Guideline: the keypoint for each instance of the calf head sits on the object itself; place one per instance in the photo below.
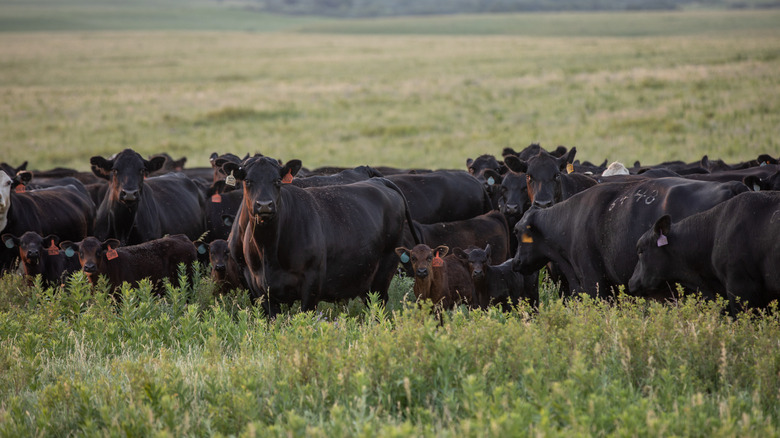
(125, 172)
(31, 246)
(543, 175)
(93, 254)
(217, 161)
(477, 259)
(530, 256)
(423, 258)
(263, 179)
(653, 251)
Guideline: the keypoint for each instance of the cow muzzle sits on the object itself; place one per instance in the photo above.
(421, 272)
(129, 197)
(32, 257)
(478, 275)
(264, 211)
(90, 268)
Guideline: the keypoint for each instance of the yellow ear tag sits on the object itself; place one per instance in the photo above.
(525, 238)
(230, 180)
(569, 168)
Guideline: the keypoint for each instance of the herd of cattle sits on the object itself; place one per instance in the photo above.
(477, 236)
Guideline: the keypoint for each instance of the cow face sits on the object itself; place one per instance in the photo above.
(543, 175)
(530, 255)
(263, 179)
(514, 200)
(92, 253)
(422, 258)
(757, 184)
(31, 246)
(477, 259)
(653, 251)
(5, 198)
(217, 161)
(478, 166)
(125, 172)
(219, 254)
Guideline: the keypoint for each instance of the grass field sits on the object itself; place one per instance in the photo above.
(83, 78)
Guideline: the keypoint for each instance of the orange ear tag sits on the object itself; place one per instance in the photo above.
(20, 188)
(288, 178)
(52, 250)
(525, 238)
(216, 198)
(569, 168)
(111, 253)
(438, 262)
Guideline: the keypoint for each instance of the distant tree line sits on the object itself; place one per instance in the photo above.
(380, 8)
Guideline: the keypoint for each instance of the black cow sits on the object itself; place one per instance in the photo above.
(443, 195)
(39, 259)
(546, 181)
(221, 209)
(730, 250)
(320, 243)
(136, 209)
(156, 260)
(757, 183)
(485, 229)
(62, 211)
(225, 271)
(591, 236)
(498, 284)
(346, 176)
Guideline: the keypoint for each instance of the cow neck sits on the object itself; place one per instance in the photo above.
(691, 238)
(425, 288)
(557, 253)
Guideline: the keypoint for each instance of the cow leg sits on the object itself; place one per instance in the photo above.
(310, 291)
(384, 276)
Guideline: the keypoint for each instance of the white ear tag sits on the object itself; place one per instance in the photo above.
(230, 180)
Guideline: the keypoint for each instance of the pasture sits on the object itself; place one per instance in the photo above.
(405, 92)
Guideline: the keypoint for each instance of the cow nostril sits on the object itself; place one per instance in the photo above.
(542, 204)
(219, 268)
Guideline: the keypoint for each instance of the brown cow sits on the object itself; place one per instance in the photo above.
(443, 280)
(225, 271)
(157, 259)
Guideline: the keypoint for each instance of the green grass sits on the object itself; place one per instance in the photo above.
(75, 363)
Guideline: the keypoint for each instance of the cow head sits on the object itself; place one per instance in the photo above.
(514, 199)
(125, 172)
(543, 175)
(92, 253)
(422, 258)
(756, 183)
(217, 161)
(31, 246)
(219, 255)
(653, 252)
(263, 178)
(530, 256)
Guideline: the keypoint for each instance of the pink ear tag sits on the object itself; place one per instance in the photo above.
(111, 254)
(288, 178)
(662, 240)
(438, 262)
(52, 250)
(20, 188)
(216, 198)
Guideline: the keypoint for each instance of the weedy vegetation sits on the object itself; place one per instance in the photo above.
(79, 80)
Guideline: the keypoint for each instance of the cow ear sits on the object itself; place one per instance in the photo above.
(487, 251)
(459, 253)
(663, 225)
(201, 246)
(508, 151)
(492, 177)
(567, 158)
(469, 162)
(101, 167)
(51, 239)
(215, 187)
(515, 164)
(403, 253)
(755, 183)
(213, 157)
(10, 240)
(442, 250)
(113, 243)
(235, 169)
(154, 164)
(69, 247)
(767, 159)
(24, 176)
(292, 167)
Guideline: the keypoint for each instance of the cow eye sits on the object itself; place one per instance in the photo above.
(528, 178)
(278, 182)
(247, 183)
(557, 176)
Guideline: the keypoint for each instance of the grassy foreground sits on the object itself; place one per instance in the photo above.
(75, 363)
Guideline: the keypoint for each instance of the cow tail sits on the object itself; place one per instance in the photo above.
(391, 185)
